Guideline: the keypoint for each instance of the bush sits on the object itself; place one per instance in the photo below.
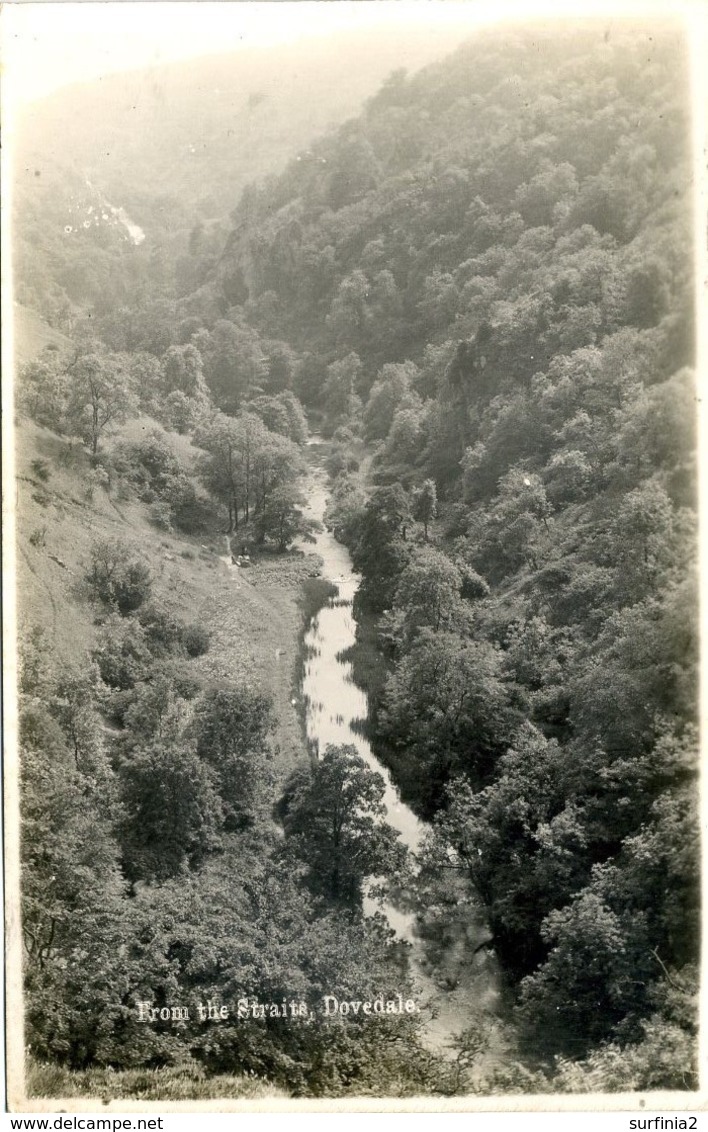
(195, 515)
(123, 656)
(196, 640)
(40, 469)
(161, 515)
(38, 537)
(133, 587)
(117, 579)
(163, 632)
(158, 477)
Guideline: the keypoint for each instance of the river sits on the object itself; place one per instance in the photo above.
(455, 970)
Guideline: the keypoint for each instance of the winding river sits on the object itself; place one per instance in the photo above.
(453, 966)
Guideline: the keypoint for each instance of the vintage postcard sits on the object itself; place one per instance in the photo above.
(350, 512)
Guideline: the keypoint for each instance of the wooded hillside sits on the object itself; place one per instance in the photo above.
(490, 272)
(481, 292)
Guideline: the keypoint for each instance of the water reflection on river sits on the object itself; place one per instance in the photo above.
(456, 973)
(334, 703)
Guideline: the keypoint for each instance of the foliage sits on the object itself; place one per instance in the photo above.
(116, 578)
(448, 705)
(183, 1082)
(380, 552)
(42, 389)
(280, 518)
(425, 505)
(157, 475)
(333, 819)
(341, 402)
(100, 396)
(173, 811)
(428, 595)
(245, 464)
(196, 640)
(231, 726)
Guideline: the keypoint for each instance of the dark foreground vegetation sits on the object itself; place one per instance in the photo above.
(481, 290)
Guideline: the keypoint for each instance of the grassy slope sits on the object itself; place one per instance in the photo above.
(254, 615)
(32, 334)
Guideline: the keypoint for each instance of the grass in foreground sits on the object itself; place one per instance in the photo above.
(178, 1083)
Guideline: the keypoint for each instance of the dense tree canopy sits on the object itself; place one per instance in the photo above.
(334, 820)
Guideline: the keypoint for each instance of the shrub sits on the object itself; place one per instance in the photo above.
(194, 515)
(122, 655)
(132, 588)
(158, 477)
(97, 477)
(40, 469)
(161, 515)
(117, 579)
(163, 632)
(196, 640)
(38, 537)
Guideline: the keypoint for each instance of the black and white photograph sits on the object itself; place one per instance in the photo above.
(351, 613)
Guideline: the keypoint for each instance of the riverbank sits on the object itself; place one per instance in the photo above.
(440, 919)
(254, 616)
(265, 608)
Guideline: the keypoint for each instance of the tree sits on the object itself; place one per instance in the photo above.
(538, 200)
(182, 371)
(596, 971)
(74, 708)
(425, 505)
(246, 463)
(405, 442)
(228, 470)
(42, 388)
(173, 812)
(524, 849)
(354, 167)
(235, 364)
(221, 469)
(516, 529)
(345, 508)
(342, 403)
(71, 874)
(391, 391)
(231, 728)
(100, 396)
(273, 414)
(333, 819)
(428, 594)
(381, 550)
(297, 420)
(281, 360)
(281, 517)
(276, 462)
(448, 706)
